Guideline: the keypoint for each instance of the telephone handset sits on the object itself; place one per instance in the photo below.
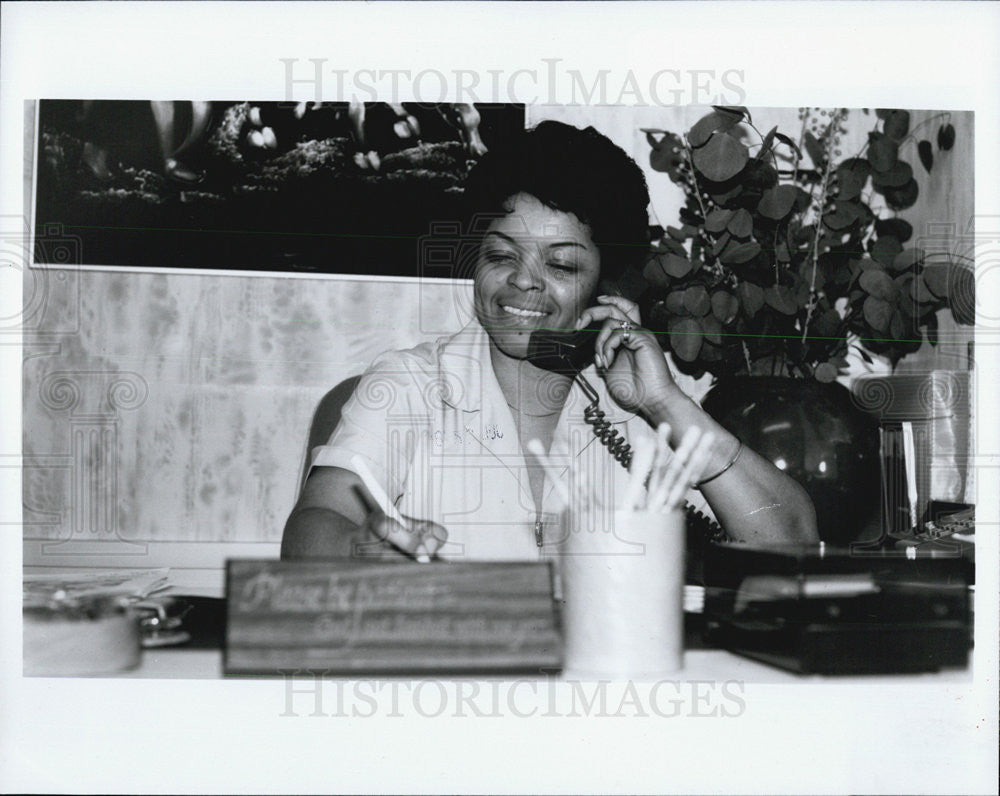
(562, 351)
(570, 352)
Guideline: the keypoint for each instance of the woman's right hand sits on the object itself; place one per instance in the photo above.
(414, 538)
(334, 518)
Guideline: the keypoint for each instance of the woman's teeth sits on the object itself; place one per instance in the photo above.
(522, 313)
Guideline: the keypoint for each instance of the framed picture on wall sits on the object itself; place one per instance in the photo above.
(316, 188)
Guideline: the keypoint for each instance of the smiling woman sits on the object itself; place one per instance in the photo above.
(537, 269)
(443, 427)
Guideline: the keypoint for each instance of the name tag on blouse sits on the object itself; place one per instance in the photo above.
(458, 438)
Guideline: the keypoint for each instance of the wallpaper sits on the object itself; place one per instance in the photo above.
(176, 407)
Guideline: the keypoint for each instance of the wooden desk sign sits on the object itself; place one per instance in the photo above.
(352, 618)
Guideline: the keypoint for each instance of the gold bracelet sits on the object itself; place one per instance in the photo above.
(731, 462)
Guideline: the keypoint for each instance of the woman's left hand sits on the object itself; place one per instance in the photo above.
(627, 356)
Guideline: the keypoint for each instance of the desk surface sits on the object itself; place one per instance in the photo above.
(717, 665)
(195, 663)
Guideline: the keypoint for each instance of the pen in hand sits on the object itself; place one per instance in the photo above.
(382, 500)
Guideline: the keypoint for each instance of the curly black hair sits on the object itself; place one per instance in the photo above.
(571, 170)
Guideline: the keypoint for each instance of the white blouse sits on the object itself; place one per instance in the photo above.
(432, 424)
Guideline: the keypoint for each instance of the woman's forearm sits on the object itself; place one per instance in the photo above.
(753, 499)
(318, 532)
(331, 521)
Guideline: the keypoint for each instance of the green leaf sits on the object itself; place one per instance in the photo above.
(676, 234)
(759, 175)
(781, 298)
(804, 235)
(802, 200)
(702, 130)
(723, 197)
(741, 224)
(936, 279)
(878, 284)
(843, 215)
(921, 294)
(826, 324)
(738, 110)
(738, 253)
(851, 177)
(907, 259)
(696, 252)
(654, 273)
(661, 160)
(719, 246)
(776, 203)
(751, 297)
(669, 245)
(878, 313)
(708, 124)
(685, 338)
(926, 153)
(675, 303)
(765, 145)
(885, 249)
(843, 273)
(897, 124)
(815, 149)
(676, 266)
(899, 229)
(896, 176)
(721, 158)
(789, 143)
(902, 198)
(717, 220)
(712, 330)
(724, 306)
(882, 151)
(808, 277)
(825, 372)
(946, 137)
(666, 155)
(696, 300)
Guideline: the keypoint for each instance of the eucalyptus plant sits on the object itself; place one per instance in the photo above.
(784, 254)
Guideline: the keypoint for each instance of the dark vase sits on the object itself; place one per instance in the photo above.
(814, 433)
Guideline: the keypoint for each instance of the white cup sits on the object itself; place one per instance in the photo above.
(623, 591)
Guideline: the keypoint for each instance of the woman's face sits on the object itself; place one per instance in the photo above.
(537, 269)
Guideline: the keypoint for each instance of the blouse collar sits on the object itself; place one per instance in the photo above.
(466, 376)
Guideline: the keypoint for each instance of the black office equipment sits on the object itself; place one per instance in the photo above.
(815, 610)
